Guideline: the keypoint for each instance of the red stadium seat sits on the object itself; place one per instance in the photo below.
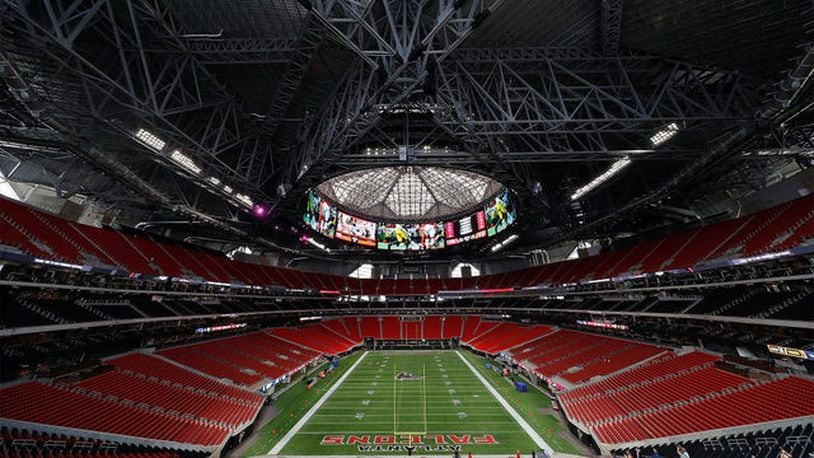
(787, 398)
(431, 328)
(60, 406)
(315, 337)
(505, 336)
(229, 413)
(151, 366)
(46, 236)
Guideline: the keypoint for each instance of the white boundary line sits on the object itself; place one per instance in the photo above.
(513, 413)
(296, 428)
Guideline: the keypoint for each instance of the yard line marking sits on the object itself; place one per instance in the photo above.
(513, 413)
(458, 422)
(387, 410)
(367, 413)
(439, 431)
(424, 392)
(441, 408)
(284, 441)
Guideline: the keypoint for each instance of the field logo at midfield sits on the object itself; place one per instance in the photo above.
(426, 443)
(406, 377)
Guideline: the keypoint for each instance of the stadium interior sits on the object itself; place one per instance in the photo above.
(498, 228)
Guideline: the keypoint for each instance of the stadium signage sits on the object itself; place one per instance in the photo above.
(403, 443)
(791, 352)
(759, 258)
(603, 325)
(311, 318)
(224, 327)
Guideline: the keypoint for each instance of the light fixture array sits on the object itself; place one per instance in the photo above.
(186, 162)
(156, 143)
(504, 243)
(669, 131)
(614, 169)
(150, 139)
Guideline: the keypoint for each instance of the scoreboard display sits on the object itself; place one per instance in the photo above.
(495, 216)
(468, 228)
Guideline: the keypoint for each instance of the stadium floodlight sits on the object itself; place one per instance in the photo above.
(504, 242)
(615, 168)
(315, 243)
(665, 134)
(227, 189)
(150, 139)
(185, 161)
(244, 199)
(303, 170)
(214, 181)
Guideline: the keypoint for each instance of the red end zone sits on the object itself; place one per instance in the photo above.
(430, 439)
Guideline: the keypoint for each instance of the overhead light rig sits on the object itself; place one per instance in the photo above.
(189, 166)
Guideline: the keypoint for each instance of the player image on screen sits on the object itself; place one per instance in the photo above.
(311, 215)
(431, 236)
(356, 230)
(320, 215)
(327, 218)
(411, 237)
(393, 237)
(499, 213)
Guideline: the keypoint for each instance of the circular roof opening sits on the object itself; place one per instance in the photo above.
(407, 193)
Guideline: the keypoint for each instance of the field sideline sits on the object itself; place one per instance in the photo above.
(427, 400)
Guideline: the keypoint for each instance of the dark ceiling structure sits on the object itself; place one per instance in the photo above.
(257, 101)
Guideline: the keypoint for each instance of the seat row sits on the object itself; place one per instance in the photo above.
(25, 452)
(664, 366)
(55, 405)
(158, 369)
(185, 402)
(797, 441)
(784, 399)
(506, 335)
(249, 358)
(16, 442)
(46, 236)
(651, 396)
(577, 357)
(430, 327)
(316, 337)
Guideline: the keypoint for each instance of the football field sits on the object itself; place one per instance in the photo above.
(428, 401)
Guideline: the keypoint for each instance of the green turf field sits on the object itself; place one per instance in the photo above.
(292, 405)
(437, 405)
(528, 405)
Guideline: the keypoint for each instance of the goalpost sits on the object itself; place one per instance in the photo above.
(423, 400)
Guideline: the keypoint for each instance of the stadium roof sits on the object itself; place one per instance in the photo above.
(408, 193)
(258, 101)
